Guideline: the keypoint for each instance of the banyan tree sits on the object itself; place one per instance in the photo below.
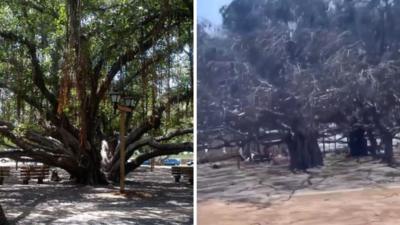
(59, 60)
(304, 70)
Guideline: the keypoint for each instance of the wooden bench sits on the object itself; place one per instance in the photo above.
(185, 171)
(4, 172)
(33, 172)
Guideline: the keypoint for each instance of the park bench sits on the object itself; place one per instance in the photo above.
(33, 172)
(4, 172)
(182, 171)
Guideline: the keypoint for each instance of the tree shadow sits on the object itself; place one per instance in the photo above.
(151, 199)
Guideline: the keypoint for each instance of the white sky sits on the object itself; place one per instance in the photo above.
(209, 10)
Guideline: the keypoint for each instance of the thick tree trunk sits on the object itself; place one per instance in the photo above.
(90, 176)
(304, 151)
(246, 153)
(89, 172)
(358, 143)
(3, 219)
(387, 140)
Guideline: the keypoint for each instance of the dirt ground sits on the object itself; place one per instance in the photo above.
(154, 199)
(356, 207)
(345, 191)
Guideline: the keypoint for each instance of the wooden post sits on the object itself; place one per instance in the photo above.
(122, 132)
(323, 144)
(122, 152)
(238, 162)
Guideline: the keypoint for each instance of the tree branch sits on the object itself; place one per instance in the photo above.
(146, 43)
(159, 150)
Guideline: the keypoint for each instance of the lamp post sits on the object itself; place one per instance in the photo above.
(124, 104)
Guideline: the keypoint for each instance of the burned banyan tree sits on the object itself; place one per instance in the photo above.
(294, 72)
(60, 59)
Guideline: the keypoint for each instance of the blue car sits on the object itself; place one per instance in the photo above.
(172, 162)
(147, 162)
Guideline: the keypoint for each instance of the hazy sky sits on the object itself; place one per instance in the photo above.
(209, 9)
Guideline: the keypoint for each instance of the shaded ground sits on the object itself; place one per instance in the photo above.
(154, 199)
(273, 195)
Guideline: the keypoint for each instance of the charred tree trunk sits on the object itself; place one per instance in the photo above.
(304, 151)
(387, 140)
(358, 143)
(246, 150)
(3, 219)
(241, 151)
(386, 137)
